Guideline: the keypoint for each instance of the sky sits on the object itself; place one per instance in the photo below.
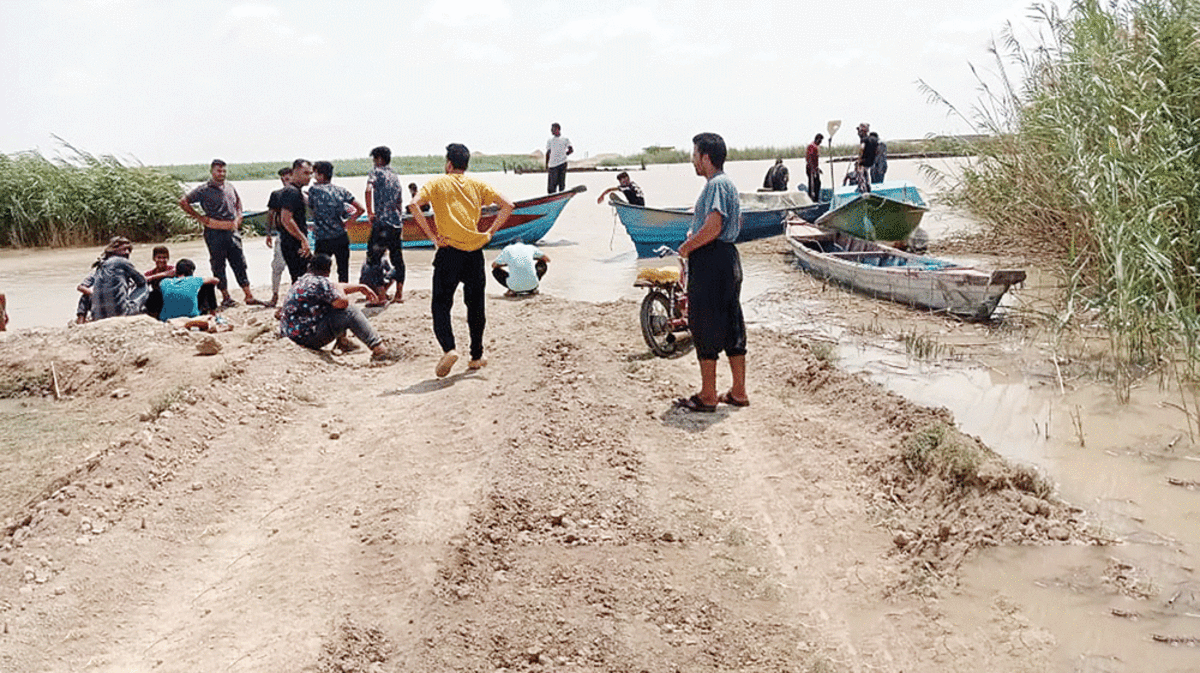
(170, 82)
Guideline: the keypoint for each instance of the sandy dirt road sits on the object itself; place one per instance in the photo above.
(274, 509)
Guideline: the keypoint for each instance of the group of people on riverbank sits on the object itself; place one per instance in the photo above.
(317, 311)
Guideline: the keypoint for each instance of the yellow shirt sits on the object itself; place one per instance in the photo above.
(457, 203)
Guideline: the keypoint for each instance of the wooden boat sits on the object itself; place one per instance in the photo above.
(763, 215)
(881, 271)
(889, 212)
(531, 219)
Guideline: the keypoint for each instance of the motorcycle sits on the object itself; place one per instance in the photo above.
(664, 313)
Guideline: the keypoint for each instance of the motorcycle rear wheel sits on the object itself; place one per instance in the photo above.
(656, 316)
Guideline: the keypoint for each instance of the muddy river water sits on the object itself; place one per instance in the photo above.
(1114, 460)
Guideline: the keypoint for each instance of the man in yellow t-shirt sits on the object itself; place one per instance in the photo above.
(457, 202)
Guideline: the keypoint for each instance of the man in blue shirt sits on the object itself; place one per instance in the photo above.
(714, 279)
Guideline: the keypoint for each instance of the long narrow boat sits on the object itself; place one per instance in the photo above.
(530, 221)
(889, 212)
(763, 215)
(881, 271)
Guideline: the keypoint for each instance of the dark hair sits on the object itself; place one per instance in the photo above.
(159, 250)
(286, 170)
(412, 185)
(383, 153)
(622, 174)
(300, 162)
(556, 125)
(320, 263)
(873, 134)
(185, 267)
(819, 137)
(323, 169)
(458, 155)
(216, 162)
(712, 146)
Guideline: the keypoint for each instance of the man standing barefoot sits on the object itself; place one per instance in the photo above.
(222, 221)
(457, 202)
(714, 279)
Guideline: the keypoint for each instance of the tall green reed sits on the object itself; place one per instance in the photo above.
(84, 200)
(1097, 160)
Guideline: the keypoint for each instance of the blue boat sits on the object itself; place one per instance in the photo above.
(889, 212)
(763, 214)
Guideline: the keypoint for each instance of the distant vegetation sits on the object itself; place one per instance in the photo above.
(1097, 159)
(354, 167)
(85, 200)
(658, 154)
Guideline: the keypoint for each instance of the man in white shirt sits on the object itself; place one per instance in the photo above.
(520, 268)
(557, 149)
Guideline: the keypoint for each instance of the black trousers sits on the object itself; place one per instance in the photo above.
(391, 238)
(225, 246)
(339, 249)
(814, 187)
(714, 301)
(556, 178)
(452, 266)
(296, 264)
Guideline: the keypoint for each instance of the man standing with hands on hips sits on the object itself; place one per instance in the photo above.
(457, 202)
(222, 221)
(714, 279)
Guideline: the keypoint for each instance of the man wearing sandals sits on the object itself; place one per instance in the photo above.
(222, 222)
(714, 279)
(457, 202)
(317, 311)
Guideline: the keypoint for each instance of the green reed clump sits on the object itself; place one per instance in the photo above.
(1097, 160)
(84, 201)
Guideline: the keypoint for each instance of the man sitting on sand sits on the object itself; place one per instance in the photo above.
(186, 297)
(119, 288)
(317, 312)
(633, 193)
(520, 268)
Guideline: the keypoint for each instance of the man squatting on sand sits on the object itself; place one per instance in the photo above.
(222, 221)
(714, 279)
(457, 202)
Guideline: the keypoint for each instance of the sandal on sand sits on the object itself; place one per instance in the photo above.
(694, 403)
(477, 364)
(255, 301)
(732, 401)
(345, 345)
(445, 364)
(229, 303)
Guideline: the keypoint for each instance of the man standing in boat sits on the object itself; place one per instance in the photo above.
(867, 149)
(879, 168)
(222, 222)
(714, 279)
(812, 167)
(557, 149)
(457, 202)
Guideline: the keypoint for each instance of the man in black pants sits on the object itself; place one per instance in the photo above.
(293, 215)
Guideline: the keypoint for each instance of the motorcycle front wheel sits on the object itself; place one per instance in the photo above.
(656, 327)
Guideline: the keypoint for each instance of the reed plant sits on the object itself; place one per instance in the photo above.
(84, 200)
(1096, 160)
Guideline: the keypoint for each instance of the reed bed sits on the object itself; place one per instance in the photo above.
(1096, 160)
(404, 165)
(85, 200)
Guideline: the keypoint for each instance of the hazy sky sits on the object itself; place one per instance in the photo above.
(163, 81)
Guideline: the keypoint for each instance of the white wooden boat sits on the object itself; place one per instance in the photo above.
(881, 271)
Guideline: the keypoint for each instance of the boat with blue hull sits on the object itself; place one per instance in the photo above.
(891, 211)
(764, 214)
(530, 221)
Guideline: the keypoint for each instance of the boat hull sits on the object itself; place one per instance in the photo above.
(530, 221)
(883, 272)
(891, 211)
(652, 229)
